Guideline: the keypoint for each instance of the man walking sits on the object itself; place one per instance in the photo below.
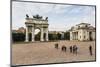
(70, 49)
(56, 45)
(90, 49)
(75, 48)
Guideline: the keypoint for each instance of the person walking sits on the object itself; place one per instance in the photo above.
(75, 48)
(64, 48)
(90, 50)
(56, 45)
(71, 50)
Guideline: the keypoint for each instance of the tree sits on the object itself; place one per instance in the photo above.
(18, 37)
(67, 36)
(58, 36)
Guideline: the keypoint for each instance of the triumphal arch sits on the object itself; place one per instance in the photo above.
(34, 23)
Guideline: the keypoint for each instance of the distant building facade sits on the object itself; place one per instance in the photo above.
(82, 32)
(19, 30)
(61, 33)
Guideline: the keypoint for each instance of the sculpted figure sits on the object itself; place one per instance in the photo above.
(46, 18)
(27, 16)
(37, 17)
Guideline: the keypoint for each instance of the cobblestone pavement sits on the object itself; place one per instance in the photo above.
(44, 52)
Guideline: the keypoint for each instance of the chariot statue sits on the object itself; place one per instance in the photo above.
(37, 17)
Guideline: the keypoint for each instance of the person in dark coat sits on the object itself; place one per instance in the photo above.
(75, 48)
(64, 48)
(71, 50)
(56, 45)
(90, 49)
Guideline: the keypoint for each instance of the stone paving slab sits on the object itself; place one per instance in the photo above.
(44, 52)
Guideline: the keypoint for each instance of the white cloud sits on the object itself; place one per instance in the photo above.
(61, 17)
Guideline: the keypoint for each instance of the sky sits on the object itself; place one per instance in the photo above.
(60, 17)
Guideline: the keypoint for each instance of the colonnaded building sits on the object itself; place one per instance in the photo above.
(82, 32)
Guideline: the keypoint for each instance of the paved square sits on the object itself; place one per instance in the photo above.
(44, 52)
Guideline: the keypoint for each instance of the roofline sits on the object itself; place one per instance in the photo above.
(83, 23)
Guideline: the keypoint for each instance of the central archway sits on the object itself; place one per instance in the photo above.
(37, 34)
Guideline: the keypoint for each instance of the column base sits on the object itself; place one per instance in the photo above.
(42, 39)
(32, 40)
(46, 39)
(26, 41)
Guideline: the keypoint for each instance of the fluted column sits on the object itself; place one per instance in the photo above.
(71, 36)
(26, 38)
(42, 35)
(33, 35)
(47, 34)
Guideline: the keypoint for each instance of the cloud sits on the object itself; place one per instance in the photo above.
(61, 17)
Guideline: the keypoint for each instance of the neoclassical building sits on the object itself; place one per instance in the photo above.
(82, 32)
(36, 22)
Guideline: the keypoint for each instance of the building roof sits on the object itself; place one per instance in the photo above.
(83, 24)
(77, 27)
(19, 30)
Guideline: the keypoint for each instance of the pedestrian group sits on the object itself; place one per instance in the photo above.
(73, 49)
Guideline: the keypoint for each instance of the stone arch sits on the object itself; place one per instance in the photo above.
(37, 35)
(32, 24)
